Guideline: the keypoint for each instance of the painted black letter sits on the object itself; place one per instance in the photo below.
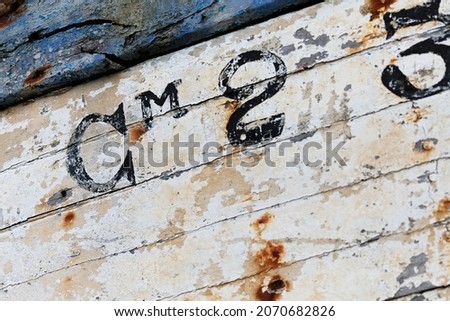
(75, 164)
(171, 92)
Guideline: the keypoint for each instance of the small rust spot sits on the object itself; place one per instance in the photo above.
(271, 255)
(443, 209)
(273, 290)
(69, 218)
(37, 75)
(137, 132)
(261, 223)
(393, 61)
(10, 10)
(378, 7)
(371, 32)
(266, 218)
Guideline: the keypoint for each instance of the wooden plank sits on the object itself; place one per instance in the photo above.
(349, 94)
(205, 198)
(297, 38)
(315, 279)
(46, 45)
(301, 240)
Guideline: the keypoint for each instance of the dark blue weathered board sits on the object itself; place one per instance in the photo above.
(49, 44)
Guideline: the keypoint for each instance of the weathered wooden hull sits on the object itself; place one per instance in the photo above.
(48, 45)
(259, 219)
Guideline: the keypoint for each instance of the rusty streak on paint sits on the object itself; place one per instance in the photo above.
(443, 209)
(137, 132)
(271, 255)
(378, 7)
(37, 75)
(69, 219)
(10, 10)
(393, 61)
(262, 222)
(446, 237)
(372, 30)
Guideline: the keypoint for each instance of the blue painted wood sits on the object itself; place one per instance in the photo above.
(50, 44)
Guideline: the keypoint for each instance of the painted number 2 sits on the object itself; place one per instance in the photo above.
(240, 133)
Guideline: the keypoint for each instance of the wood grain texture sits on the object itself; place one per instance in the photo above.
(311, 99)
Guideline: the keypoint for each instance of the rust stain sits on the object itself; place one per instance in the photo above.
(37, 75)
(271, 255)
(374, 28)
(393, 61)
(443, 209)
(10, 10)
(266, 218)
(378, 7)
(261, 223)
(415, 115)
(137, 132)
(273, 290)
(69, 219)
